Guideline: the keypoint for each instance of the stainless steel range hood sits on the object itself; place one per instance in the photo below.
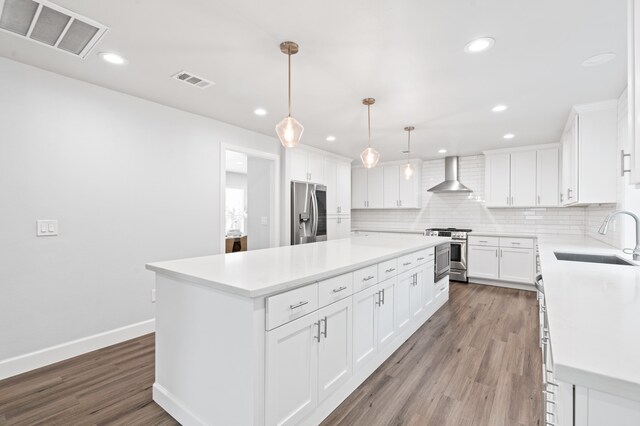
(451, 182)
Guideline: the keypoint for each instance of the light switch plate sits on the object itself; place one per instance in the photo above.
(46, 228)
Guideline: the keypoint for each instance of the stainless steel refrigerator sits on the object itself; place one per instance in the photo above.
(308, 213)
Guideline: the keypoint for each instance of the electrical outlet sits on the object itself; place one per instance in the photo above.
(153, 295)
(46, 228)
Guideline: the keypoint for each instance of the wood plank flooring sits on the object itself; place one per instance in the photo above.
(475, 362)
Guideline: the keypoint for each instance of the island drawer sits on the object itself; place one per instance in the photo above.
(285, 307)
(406, 262)
(365, 277)
(424, 256)
(484, 241)
(387, 269)
(517, 242)
(335, 289)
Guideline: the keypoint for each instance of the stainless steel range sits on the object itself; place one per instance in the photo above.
(458, 237)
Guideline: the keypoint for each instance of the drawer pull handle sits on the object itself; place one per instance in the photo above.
(513, 242)
(406, 264)
(370, 277)
(390, 270)
(483, 241)
(299, 304)
(324, 333)
(421, 258)
(339, 289)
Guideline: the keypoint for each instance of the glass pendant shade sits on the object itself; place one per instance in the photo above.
(370, 157)
(289, 132)
(408, 170)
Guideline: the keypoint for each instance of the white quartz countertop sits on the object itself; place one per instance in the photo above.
(390, 231)
(594, 317)
(502, 234)
(263, 272)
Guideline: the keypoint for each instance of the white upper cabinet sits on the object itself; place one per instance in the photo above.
(547, 177)
(633, 89)
(497, 175)
(522, 177)
(331, 181)
(590, 161)
(315, 167)
(305, 165)
(386, 187)
(337, 178)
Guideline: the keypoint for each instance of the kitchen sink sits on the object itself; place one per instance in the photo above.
(593, 258)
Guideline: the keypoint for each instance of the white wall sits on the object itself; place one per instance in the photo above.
(130, 182)
(464, 210)
(260, 202)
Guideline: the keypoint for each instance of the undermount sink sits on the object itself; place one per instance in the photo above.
(593, 258)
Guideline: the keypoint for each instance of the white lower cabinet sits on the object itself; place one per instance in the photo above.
(415, 293)
(403, 302)
(428, 290)
(338, 227)
(516, 265)
(386, 309)
(483, 262)
(365, 326)
(292, 371)
(334, 349)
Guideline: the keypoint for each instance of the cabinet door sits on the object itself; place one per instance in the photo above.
(497, 175)
(359, 188)
(344, 187)
(334, 349)
(428, 284)
(516, 265)
(333, 228)
(403, 299)
(375, 187)
(365, 326)
(344, 227)
(409, 189)
(415, 293)
(292, 371)
(386, 312)
(483, 262)
(298, 164)
(523, 179)
(315, 166)
(390, 193)
(547, 177)
(331, 181)
(570, 164)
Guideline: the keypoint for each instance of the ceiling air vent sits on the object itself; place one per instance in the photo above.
(51, 25)
(193, 80)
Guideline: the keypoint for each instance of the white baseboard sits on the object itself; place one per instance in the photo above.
(27, 362)
(175, 407)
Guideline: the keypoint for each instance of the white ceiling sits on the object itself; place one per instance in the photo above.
(407, 54)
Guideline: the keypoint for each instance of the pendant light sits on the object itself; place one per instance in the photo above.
(289, 130)
(408, 170)
(369, 156)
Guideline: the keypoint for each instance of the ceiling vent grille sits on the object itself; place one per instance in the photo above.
(193, 80)
(51, 25)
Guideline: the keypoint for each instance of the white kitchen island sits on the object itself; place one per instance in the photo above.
(282, 336)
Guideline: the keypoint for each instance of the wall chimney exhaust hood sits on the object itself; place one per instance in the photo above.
(451, 182)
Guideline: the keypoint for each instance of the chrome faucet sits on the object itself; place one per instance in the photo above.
(605, 226)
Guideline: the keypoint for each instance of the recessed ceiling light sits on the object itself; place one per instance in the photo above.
(442, 151)
(509, 136)
(603, 58)
(112, 58)
(499, 108)
(479, 45)
(331, 138)
(260, 111)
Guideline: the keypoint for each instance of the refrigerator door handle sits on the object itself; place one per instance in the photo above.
(314, 215)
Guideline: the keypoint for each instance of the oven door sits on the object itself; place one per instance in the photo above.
(458, 255)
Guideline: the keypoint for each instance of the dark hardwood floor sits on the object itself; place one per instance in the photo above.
(475, 362)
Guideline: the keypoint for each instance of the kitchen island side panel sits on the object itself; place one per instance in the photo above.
(209, 352)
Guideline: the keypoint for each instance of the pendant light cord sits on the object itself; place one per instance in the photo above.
(289, 55)
(369, 122)
(409, 147)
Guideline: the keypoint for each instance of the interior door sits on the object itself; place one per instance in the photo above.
(523, 179)
(386, 312)
(292, 371)
(359, 192)
(344, 187)
(334, 351)
(497, 176)
(547, 177)
(365, 326)
(403, 300)
(375, 187)
(391, 186)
